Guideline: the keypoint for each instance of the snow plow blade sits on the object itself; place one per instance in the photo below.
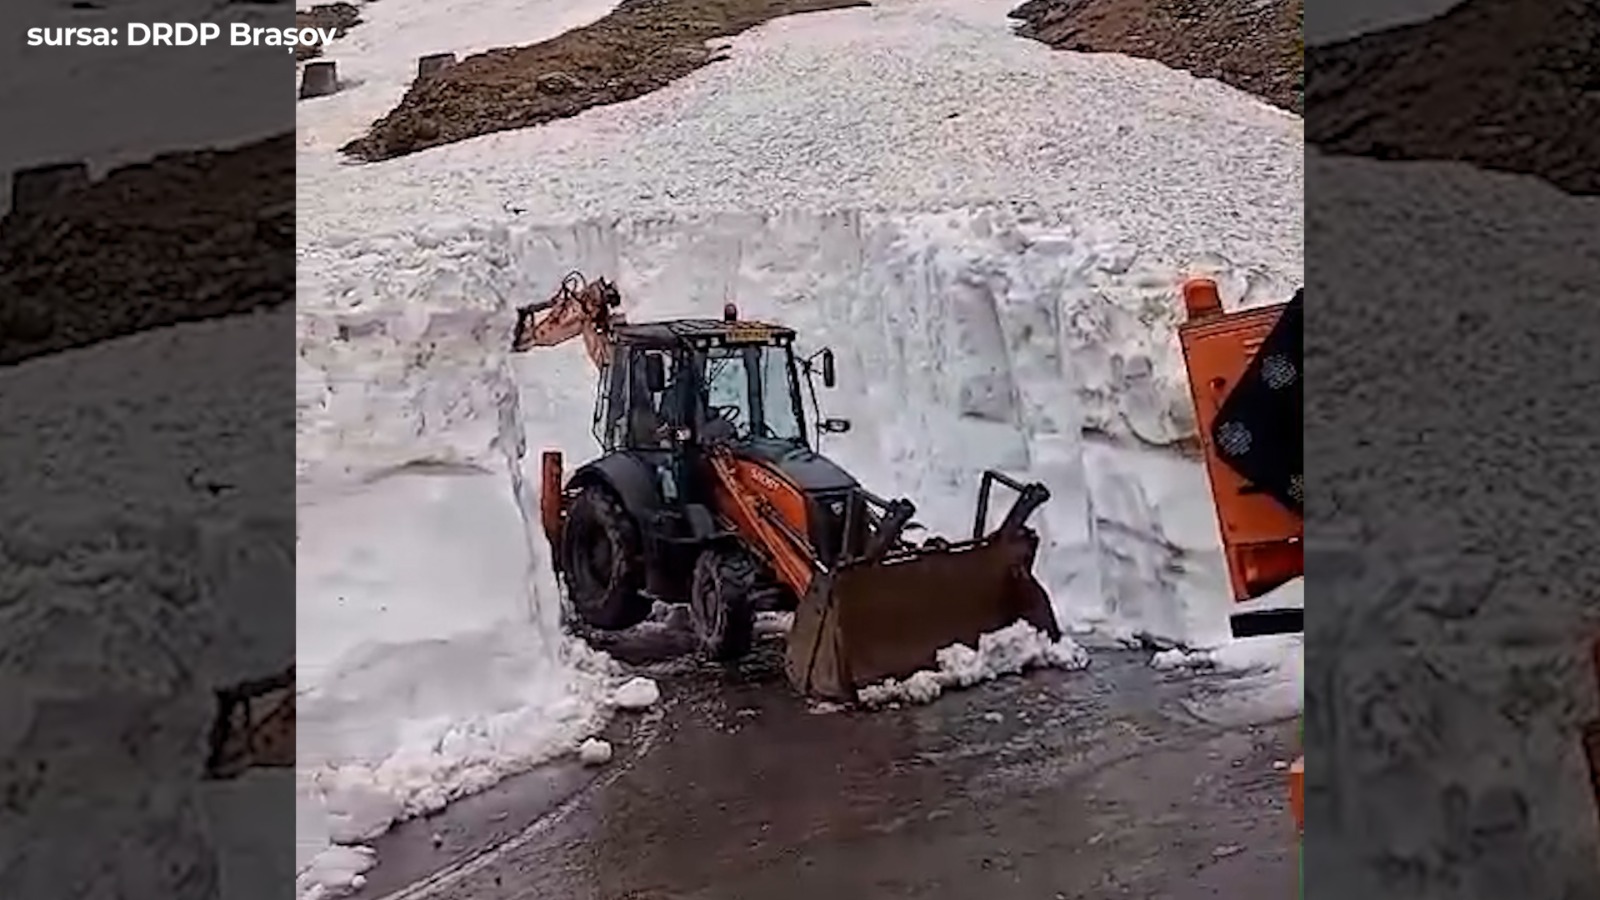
(887, 616)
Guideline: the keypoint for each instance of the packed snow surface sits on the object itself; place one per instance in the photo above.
(334, 871)
(1009, 651)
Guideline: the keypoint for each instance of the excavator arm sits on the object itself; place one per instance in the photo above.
(577, 308)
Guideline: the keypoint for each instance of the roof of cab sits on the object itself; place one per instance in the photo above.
(680, 331)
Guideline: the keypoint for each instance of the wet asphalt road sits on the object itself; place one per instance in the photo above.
(1096, 784)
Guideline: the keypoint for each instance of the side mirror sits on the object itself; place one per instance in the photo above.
(655, 373)
(835, 426)
(829, 376)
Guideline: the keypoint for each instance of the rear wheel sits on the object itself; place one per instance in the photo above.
(720, 605)
(602, 562)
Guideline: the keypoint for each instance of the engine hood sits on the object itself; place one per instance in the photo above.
(807, 469)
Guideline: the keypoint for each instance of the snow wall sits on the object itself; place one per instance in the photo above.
(131, 593)
(966, 340)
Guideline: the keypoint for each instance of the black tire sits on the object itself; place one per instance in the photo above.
(719, 603)
(602, 562)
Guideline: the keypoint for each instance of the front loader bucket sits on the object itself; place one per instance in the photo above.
(869, 621)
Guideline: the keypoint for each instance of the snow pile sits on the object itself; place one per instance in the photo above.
(1009, 651)
(132, 592)
(1265, 675)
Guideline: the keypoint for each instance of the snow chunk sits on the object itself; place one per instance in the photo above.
(1179, 658)
(334, 871)
(1009, 651)
(594, 752)
(773, 623)
(637, 693)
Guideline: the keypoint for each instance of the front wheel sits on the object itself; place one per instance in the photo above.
(719, 602)
(602, 562)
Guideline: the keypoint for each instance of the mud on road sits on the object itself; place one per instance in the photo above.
(641, 46)
(1091, 785)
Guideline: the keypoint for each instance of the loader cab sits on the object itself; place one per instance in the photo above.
(637, 407)
(749, 393)
(682, 383)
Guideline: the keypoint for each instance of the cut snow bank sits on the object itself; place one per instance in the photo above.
(133, 592)
(1009, 651)
(1029, 342)
(432, 663)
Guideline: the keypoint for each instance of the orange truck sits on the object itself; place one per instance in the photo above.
(1245, 379)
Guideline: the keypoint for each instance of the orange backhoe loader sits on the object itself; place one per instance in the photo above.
(710, 491)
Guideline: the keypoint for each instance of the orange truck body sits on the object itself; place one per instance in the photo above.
(1260, 538)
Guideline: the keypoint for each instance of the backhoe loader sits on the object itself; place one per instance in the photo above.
(710, 491)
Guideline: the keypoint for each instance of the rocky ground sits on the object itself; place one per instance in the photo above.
(187, 236)
(639, 47)
(1072, 785)
(1253, 45)
(1501, 85)
(341, 17)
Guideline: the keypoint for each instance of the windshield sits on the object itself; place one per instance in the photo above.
(753, 389)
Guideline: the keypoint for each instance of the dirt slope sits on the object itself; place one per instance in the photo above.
(641, 46)
(188, 236)
(1504, 85)
(1253, 45)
